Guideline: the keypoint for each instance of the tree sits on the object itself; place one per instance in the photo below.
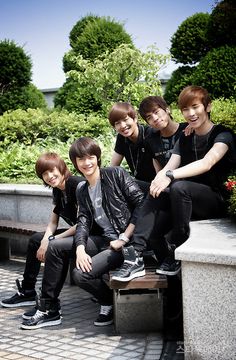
(221, 27)
(24, 97)
(126, 74)
(15, 76)
(92, 36)
(15, 66)
(210, 41)
(189, 43)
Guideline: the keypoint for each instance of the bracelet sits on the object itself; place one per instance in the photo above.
(124, 238)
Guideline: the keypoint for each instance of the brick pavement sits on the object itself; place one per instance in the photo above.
(76, 338)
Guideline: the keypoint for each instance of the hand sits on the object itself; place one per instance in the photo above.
(40, 255)
(83, 260)
(117, 244)
(159, 185)
(188, 130)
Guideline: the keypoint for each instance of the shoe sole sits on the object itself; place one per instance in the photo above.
(104, 323)
(131, 277)
(25, 303)
(38, 326)
(170, 273)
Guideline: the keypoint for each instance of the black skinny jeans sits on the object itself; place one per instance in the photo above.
(172, 210)
(32, 265)
(59, 254)
(104, 259)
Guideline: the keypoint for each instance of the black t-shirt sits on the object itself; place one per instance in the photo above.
(199, 145)
(136, 154)
(65, 201)
(160, 147)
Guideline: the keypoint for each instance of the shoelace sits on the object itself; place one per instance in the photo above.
(127, 263)
(105, 309)
(38, 315)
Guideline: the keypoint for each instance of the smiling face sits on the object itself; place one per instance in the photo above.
(54, 178)
(127, 127)
(88, 166)
(196, 114)
(158, 118)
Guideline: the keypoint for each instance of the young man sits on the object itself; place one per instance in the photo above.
(191, 185)
(155, 111)
(51, 168)
(111, 198)
(131, 143)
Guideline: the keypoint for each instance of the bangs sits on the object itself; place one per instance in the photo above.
(151, 104)
(191, 94)
(120, 111)
(49, 161)
(83, 147)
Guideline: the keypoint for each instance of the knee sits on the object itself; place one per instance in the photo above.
(178, 188)
(78, 276)
(35, 240)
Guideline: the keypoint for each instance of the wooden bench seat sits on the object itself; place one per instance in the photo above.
(10, 229)
(20, 228)
(149, 281)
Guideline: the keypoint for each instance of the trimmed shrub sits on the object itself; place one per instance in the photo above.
(216, 72)
(189, 43)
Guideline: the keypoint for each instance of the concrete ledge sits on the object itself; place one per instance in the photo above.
(26, 189)
(25, 203)
(211, 241)
(209, 291)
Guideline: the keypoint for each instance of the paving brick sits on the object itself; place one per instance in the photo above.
(76, 338)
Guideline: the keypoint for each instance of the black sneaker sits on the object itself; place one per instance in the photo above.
(170, 266)
(54, 307)
(29, 314)
(132, 267)
(42, 319)
(21, 298)
(105, 317)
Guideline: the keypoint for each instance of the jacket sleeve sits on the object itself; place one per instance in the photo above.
(132, 193)
(84, 219)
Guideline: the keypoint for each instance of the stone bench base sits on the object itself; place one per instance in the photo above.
(138, 304)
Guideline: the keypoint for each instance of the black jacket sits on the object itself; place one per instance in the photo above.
(121, 200)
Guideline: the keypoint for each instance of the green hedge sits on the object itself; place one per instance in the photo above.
(24, 135)
(28, 126)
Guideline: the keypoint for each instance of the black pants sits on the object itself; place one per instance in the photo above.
(59, 254)
(32, 265)
(104, 259)
(173, 210)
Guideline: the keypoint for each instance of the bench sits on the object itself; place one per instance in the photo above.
(138, 303)
(15, 230)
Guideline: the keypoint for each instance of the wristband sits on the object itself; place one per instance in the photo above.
(51, 237)
(124, 238)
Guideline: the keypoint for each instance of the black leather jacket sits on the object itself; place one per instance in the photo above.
(121, 200)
